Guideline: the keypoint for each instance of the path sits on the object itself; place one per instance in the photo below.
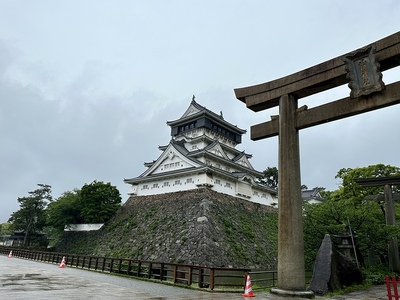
(24, 279)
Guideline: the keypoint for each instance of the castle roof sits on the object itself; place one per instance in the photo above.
(195, 111)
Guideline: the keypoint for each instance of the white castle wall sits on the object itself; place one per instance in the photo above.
(217, 184)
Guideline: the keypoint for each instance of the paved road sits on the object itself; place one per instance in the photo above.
(24, 279)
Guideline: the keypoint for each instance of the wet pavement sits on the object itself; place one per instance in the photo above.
(24, 279)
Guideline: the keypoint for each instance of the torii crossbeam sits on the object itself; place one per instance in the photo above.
(361, 69)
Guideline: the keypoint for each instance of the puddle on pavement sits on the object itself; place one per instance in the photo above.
(22, 279)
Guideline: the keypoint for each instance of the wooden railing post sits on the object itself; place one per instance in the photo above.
(111, 265)
(104, 264)
(96, 263)
(119, 266)
(128, 271)
(161, 272)
(139, 266)
(201, 277)
(212, 278)
(149, 271)
(175, 273)
(189, 282)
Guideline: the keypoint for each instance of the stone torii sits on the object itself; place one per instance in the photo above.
(361, 69)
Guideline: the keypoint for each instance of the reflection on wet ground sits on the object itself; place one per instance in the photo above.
(34, 282)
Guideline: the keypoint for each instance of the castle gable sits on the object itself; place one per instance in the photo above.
(216, 149)
(172, 159)
(193, 108)
(243, 160)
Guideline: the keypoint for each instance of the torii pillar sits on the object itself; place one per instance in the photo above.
(291, 272)
(361, 69)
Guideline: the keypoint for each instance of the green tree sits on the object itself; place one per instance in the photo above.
(65, 210)
(31, 217)
(348, 204)
(270, 177)
(5, 228)
(99, 201)
(351, 189)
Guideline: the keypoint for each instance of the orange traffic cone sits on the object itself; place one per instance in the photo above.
(248, 291)
(62, 265)
(10, 255)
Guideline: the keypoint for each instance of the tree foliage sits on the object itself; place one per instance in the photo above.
(93, 203)
(5, 228)
(66, 210)
(270, 177)
(99, 201)
(31, 217)
(347, 205)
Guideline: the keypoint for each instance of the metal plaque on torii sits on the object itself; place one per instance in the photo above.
(363, 72)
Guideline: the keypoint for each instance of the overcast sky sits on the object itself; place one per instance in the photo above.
(86, 87)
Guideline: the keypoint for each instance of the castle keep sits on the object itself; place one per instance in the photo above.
(202, 153)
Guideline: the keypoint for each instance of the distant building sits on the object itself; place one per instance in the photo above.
(312, 196)
(83, 227)
(202, 153)
(16, 239)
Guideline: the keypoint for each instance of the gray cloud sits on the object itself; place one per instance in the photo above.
(85, 91)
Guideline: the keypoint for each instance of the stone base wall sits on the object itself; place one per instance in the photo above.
(199, 227)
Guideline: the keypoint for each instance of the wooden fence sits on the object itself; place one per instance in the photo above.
(214, 279)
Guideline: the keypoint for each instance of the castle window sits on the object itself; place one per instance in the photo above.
(217, 181)
(166, 183)
(145, 187)
(176, 164)
(177, 182)
(189, 180)
(227, 185)
(155, 185)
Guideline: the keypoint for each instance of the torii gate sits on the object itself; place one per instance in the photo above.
(362, 70)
